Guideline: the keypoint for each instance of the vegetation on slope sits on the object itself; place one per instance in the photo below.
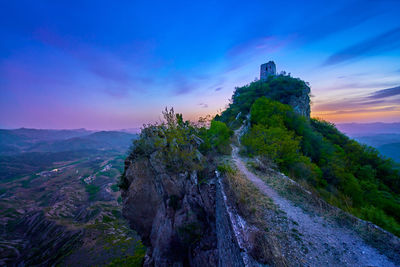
(181, 145)
(347, 174)
(281, 88)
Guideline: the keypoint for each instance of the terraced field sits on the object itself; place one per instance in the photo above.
(66, 214)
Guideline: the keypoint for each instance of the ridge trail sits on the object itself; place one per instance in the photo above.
(329, 244)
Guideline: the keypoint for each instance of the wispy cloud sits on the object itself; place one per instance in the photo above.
(119, 75)
(385, 93)
(363, 85)
(361, 74)
(369, 110)
(203, 105)
(371, 103)
(382, 43)
(181, 84)
(374, 101)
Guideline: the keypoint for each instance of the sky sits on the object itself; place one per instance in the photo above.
(118, 64)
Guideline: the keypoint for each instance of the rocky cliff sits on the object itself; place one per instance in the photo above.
(168, 195)
(184, 220)
(174, 200)
(301, 102)
(173, 213)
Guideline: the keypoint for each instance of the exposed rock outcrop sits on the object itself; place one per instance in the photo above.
(174, 213)
(175, 201)
(301, 103)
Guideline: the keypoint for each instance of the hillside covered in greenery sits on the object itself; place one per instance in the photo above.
(282, 88)
(345, 173)
(187, 187)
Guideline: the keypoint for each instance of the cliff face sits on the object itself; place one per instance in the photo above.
(172, 199)
(184, 221)
(172, 212)
(301, 103)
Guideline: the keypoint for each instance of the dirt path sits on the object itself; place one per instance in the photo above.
(329, 244)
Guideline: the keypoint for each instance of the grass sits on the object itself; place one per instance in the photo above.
(255, 207)
(249, 200)
(304, 196)
(225, 168)
(135, 260)
(299, 192)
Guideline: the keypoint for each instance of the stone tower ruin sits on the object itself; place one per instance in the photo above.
(267, 69)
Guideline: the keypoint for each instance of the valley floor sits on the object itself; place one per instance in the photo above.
(324, 242)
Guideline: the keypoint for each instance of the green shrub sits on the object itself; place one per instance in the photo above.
(378, 217)
(219, 137)
(351, 188)
(304, 169)
(225, 168)
(275, 143)
(175, 141)
(135, 260)
(269, 113)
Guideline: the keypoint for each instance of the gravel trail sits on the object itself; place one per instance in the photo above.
(330, 245)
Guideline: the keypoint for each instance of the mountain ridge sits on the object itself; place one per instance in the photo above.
(174, 166)
(360, 129)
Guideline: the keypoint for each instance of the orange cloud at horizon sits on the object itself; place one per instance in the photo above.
(359, 116)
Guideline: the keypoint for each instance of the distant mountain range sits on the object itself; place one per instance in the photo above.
(99, 141)
(364, 129)
(383, 136)
(24, 151)
(37, 140)
(19, 140)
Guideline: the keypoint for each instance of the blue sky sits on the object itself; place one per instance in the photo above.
(117, 64)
